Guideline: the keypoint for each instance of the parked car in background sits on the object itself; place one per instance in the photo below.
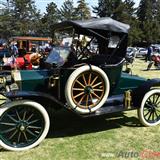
(141, 52)
(130, 54)
(156, 48)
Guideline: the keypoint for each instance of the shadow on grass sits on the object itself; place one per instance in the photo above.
(66, 124)
(151, 69)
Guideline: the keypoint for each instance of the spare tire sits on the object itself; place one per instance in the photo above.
(87, 89)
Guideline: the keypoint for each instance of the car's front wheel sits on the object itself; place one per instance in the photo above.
(23, 125)
(149, 112)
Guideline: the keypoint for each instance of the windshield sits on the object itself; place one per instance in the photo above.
(58, 55)
(61, 47)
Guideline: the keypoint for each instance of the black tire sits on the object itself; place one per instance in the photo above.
(149, 112)
(23, 125)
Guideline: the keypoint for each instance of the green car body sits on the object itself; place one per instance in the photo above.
(82, 74)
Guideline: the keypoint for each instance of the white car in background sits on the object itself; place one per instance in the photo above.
(141, 52)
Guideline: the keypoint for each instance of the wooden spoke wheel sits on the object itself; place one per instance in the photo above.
(23, 125)
(149, 113)
(87, 89)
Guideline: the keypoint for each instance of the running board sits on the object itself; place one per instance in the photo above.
(105, 110)
(112, 105)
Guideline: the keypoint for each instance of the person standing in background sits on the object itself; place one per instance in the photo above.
(149, 53)
(14, 49)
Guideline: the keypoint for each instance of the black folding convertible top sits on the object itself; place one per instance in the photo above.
(107, 24)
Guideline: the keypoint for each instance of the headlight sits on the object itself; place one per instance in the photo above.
(2, 80)
(12, 87)
(6, 79)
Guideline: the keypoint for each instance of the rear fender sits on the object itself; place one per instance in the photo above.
(138, 93)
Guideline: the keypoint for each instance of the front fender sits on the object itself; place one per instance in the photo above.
(40, 97)
(139, 92)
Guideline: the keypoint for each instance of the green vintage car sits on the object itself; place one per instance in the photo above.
(83, 74)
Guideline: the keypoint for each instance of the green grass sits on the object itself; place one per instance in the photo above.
(73, 138)
(140, 68)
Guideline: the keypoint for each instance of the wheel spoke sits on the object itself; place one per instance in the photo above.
(91, 98)
(34, 127)
(98, 90)
(19, 136)
(146, 113)
(36, 120)
(87, 100)
(31, 133)
(78, 89)
(24, 115)
(8, 130)
(156, 114)
(150, 116)
(80, 83)
(81, 99)
(30, 117)
(84, 79)
(96, 95)
(89, 80)
(78, 95)
(154, 98)
(13, 119)
(158, 103)
(153, 116)
(149, 100)
(7, 124)
(14, 133)
(96, 84)
(157, 99)
(18, 116)
(94, 80)
(157, 110)
(25, 136)
(149, 105)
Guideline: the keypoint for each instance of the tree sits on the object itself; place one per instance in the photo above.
(67, 10)
(6, 29)
(148, 15)
(109, 8)
(24, 14)
(82, 10)
(144, 11)
(127, 11)
(50, 18)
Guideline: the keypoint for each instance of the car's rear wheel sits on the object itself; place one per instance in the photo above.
(149, 112)
(87, 89)
(23, 125)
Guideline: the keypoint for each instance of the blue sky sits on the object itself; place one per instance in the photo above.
(41, 4)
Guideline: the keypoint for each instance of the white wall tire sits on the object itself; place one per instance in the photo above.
(149, 112)
(91, 94)
(23, 141)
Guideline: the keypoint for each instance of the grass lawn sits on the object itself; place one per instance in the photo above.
(116, 136)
